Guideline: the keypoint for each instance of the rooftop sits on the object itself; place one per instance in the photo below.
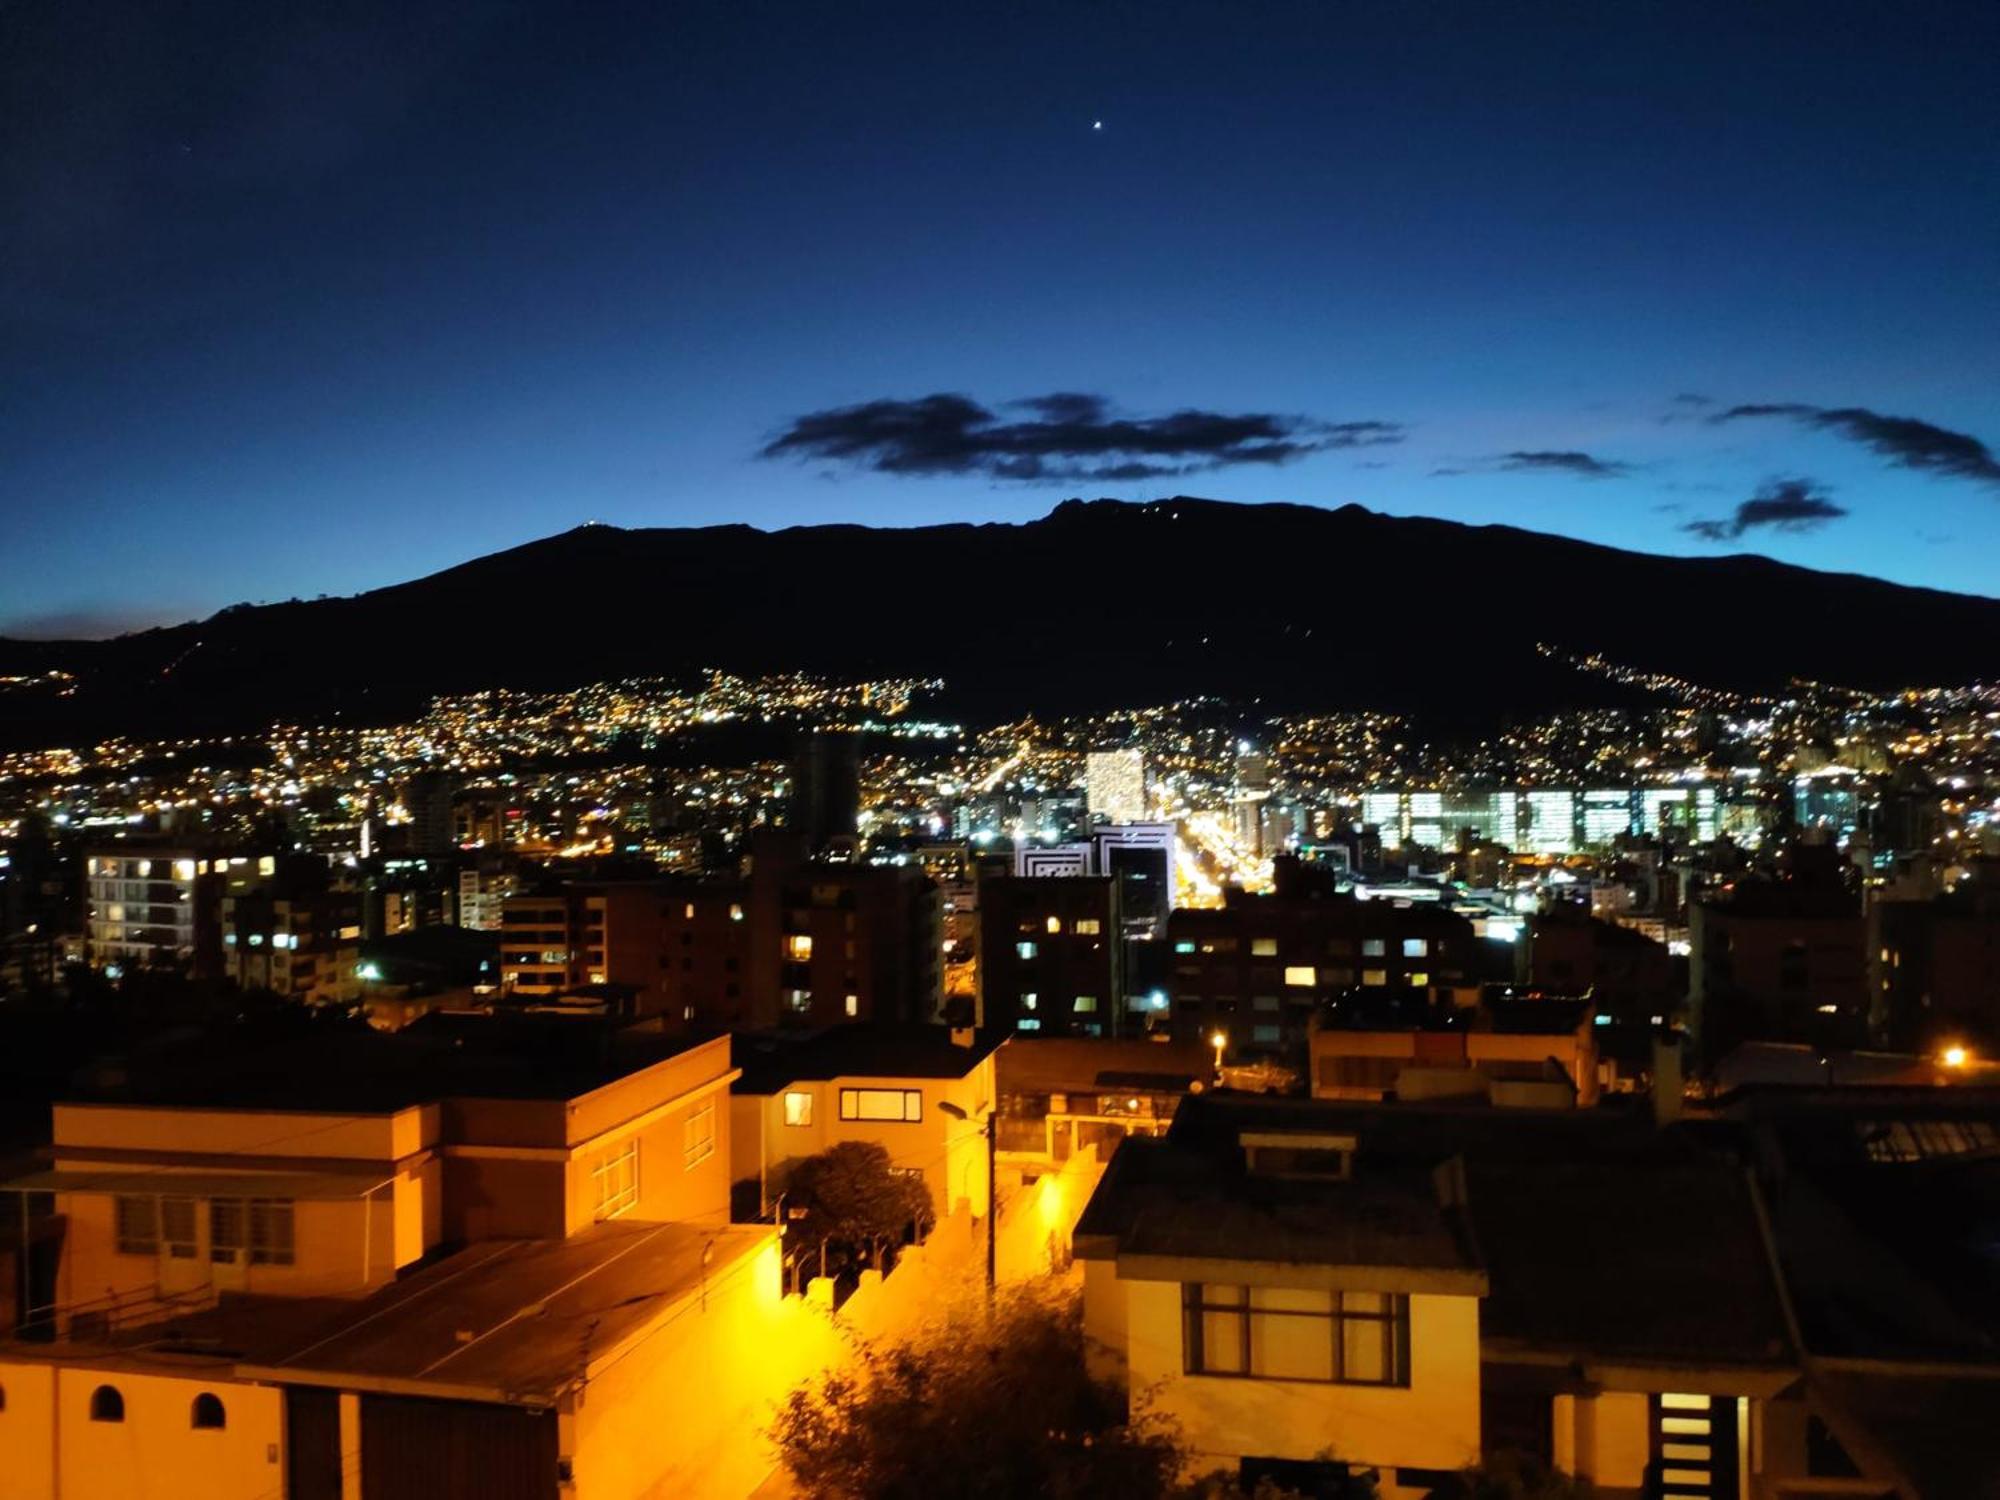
(771, 1060)
(504, 1320)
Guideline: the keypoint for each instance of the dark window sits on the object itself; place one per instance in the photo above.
(1297, 1333)
(106, 1405)
(208, 1412)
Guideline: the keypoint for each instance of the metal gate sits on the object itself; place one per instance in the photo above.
(313, 1460)
(415, 1449)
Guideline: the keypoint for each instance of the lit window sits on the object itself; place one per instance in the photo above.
(1024, 950)
(616, 1180)
(1085, 1004)
(687, 912)
(1028, 1023)
(1373, 948)
(267, 865)
(1419, 979)
(1374, 976)
(1263, 947)
(798, 947)
(208, 1413)
(798, 1107)
(1183, 947)
(1415, 948)
(1296, 1333)
(1088, 926)
(138, 1225)
(735, 913)
(1053, 925)
(798, 1000)
(853, 1005)
(698, 1137)
(184, 869)
(905, 1106)
(144, 869)
(1030, 999)
(1301, 976)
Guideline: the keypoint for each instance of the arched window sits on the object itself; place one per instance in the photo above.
(208, 1411)
(106, 1405)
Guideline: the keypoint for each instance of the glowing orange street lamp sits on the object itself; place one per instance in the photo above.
(1955, 1056)
(1218, 1042)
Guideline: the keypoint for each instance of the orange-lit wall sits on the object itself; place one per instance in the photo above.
(950, 1153)
(1433, 1423)
(46, 1431)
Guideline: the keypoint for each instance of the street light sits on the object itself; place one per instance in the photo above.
(992, 1114)
(1218, 1042)
(1956, 1056)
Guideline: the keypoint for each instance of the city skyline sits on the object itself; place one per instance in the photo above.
(299, 307)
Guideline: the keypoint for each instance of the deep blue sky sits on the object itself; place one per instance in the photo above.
(292, 305)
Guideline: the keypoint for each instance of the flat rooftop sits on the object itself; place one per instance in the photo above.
(771, 1060)
(516, 1321)
(362, 1071)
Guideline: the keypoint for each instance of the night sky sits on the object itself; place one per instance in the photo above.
(295, 304)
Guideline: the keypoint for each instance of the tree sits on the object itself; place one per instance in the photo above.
(850, 1198)
(1512, 1475)
(997, 1410)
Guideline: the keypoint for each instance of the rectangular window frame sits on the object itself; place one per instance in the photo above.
(873, 1107)
(1199, 1299)
(615, 1180)
(698, 1137)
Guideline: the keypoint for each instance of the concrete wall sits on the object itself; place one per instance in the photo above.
(1433, 1423)
(50, 1449)
(1603, 1438)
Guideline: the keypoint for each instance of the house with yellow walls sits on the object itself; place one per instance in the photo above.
(922, 1093)
(1316, 1287)
(490, 1260)
(1294, 1305)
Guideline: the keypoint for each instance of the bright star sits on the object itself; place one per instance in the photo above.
(1096, 124)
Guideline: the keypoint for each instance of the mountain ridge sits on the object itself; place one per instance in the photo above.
(1098, 604)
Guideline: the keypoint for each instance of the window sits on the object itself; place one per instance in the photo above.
(208, 1412)
(798, 1107)
(906, 1105)
(1024, 950)
(616, 1180)
(853, 1005)
(1415, 948)
(1263, 947)
(799, 947)
(1301, 976)
(1028, 1023)
(1266, 1033)
(262, 1227)
(698, 1137)
(1183, 947)
(1053, 925)
(1374, 977)
(1373, 948)
(1292, 1333)
(1085, 1004)
(270, 1232)
(1030, 999)
(106, 1405)
(138, 1225)
(1088, 926)
(735, 913)
(177, 1227)
(1418, 979)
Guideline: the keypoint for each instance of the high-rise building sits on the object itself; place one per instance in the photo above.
(160, 904)
(1050, 955)
(824, 803)
(1115, 785)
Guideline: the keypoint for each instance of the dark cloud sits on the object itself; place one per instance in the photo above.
(1781, 505)
(1564, 461)
(1540, 461)
(1065, 435)
(1904, 441)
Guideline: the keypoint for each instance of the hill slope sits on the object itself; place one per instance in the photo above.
(1098, 604)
